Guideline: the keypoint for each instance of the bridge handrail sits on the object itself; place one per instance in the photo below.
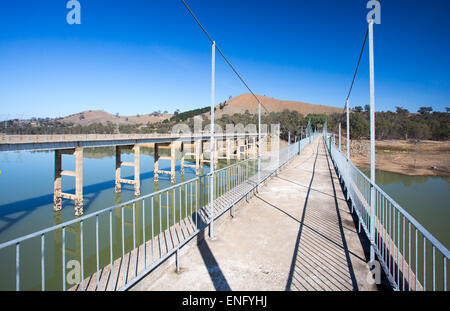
(340, 162)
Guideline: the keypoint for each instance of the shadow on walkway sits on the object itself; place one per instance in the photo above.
(215, 273)
(321, 259)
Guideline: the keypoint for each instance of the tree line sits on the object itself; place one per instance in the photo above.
(401, 124)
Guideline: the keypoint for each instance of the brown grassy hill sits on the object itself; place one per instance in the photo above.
(237, 104)
(241, 103)
(100, 116)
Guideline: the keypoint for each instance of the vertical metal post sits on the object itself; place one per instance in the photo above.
(259, 144)
(348, 155)
(372, 142)
(339, 136)
(177, 259)
(289, 142)
(213, 65)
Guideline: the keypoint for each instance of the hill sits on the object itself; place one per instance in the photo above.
(100, 116)
(241, 103)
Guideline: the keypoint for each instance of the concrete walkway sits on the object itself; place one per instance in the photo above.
(296, 234)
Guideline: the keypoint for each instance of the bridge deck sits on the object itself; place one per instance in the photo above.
(296, 234)
(69, 141)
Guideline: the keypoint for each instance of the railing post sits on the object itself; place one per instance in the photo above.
(259, 145)
(289, 143)
(211, 157)
(339, 136)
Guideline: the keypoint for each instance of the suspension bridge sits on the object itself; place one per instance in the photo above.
(301, 217)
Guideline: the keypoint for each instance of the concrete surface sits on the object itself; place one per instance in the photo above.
(296, 234)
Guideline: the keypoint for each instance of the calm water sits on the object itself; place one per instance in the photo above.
(426, 198)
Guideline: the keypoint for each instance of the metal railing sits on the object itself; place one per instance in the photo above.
(117, 246)
(412, 258)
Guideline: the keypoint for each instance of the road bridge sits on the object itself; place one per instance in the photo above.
(227, 146)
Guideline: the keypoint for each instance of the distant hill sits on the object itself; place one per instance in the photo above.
(100, 116)
(241, 103)
(237, 104)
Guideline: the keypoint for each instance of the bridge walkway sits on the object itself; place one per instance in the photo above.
(296, 234)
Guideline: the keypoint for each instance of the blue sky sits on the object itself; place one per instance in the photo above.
(137, 56)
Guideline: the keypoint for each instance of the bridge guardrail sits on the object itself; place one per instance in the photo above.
(165, 210)
(412, 258)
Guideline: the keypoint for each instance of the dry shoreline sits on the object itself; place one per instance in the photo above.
(423, 158)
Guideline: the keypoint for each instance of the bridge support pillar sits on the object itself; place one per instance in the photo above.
(216, 154)
(158, 157)
(58, 195)
(155, 163)
(246, 148)
(118, 185)
(57, 182)
(172, 163)
(197, 150)
(202, 156)
(228, 150)
(182, 158)
(136, 164)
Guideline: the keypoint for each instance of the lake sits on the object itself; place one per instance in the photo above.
(426, 198)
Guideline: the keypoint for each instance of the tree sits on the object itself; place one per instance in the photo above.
(425, 110)
(402, 111)
(358, 109)
(367, 108)
(447, 109)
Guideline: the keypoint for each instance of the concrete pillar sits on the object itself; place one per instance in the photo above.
(246, 148)
(155, 163)
(182, 158)
(118, 186)
(228, 150)
(136, 164)
(57, 182)
(216, 155)
(172, 163)
(58, 195)
(197, 151)
(78, 181)
(137, 177)
(202, 156)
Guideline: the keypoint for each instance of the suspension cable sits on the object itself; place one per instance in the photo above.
(227, 61)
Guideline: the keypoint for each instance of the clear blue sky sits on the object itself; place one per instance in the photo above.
(138, 56)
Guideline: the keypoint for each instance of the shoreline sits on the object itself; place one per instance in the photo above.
(422, 158)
